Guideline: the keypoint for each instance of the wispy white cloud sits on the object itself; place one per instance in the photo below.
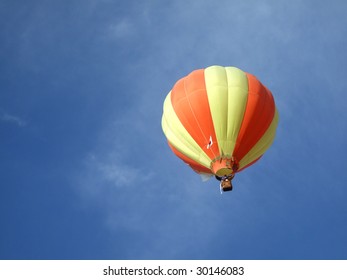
(121, 29)
(114, 172)
(12, 119)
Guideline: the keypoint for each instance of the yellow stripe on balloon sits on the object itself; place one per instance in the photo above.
(227, 90)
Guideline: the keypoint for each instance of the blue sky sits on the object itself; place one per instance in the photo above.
(85, 169)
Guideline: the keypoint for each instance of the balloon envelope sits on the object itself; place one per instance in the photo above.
(219, 120)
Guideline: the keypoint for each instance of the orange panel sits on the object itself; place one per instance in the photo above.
(260, 110)
(190, 102)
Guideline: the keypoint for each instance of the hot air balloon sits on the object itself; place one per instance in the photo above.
(219, 121)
